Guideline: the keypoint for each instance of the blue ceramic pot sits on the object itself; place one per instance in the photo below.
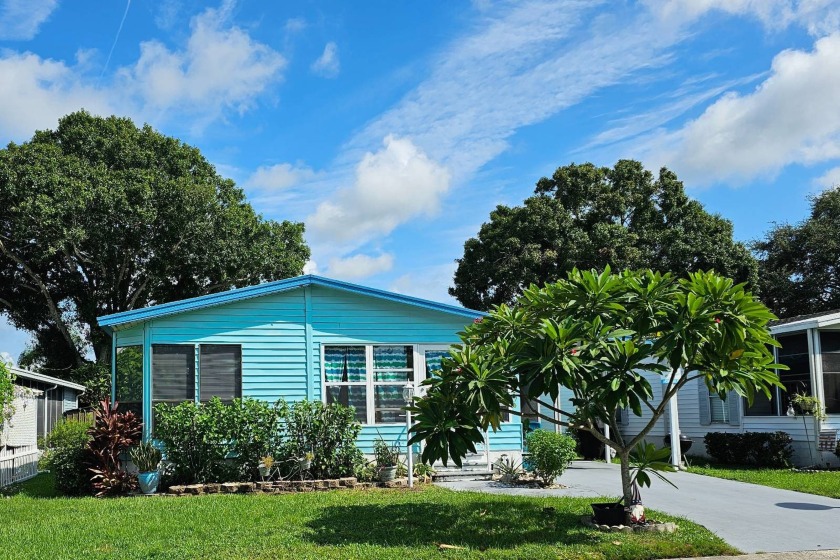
(149, 481)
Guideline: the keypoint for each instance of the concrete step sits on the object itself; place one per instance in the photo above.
(450, 476)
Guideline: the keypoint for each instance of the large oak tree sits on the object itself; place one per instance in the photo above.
(99, 216)
(590, 217)
(800, 264)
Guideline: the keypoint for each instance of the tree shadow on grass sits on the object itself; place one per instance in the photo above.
(477, 524)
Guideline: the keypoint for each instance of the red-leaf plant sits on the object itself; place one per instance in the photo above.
(112, 434)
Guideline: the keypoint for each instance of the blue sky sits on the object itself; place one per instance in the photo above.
(393, 129)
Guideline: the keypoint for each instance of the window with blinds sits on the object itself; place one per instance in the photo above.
(719, 410)
(173, 373)
(220, 372)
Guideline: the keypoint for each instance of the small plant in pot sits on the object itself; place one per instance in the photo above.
(265, 467)
(387, 458)
(645, 460)
(146, 457)
(305, 462)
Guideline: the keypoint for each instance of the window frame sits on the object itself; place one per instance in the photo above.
(419, 374)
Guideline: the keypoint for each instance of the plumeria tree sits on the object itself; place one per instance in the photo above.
(596, 334)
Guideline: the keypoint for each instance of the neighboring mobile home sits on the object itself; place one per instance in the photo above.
(40, 401)
(306, 337)
(811, 349)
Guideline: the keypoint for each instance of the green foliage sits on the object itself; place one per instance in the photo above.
(66, 456)
(590, 217)
(102, 216)
(145, 456)
(365, 471)
(550, 454)
(594, 334)
(798, 263)
(768, 450)
(807, 405)
(508, 467)
(218, 442)
(328, 431)
(96, 378)
(7, 392)
(112, 434)
(647, 460)
(822, 483)
(385, 454)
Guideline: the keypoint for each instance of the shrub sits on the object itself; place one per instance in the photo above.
(328, 431)
(750, 448)
(384, 454)
(112, 434)
(195, 444)
(550, 453)
(7, 395)
(66, 456)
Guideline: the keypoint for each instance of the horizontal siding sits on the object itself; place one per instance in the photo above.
(636, 424)
(131, 336)
(270, 330)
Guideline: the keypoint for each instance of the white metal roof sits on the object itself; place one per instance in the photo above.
(26, 374)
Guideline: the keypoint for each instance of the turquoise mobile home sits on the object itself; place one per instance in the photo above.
(306, 337)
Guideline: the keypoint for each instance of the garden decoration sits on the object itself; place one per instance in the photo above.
(146, 457)
(387, 459)
(807, 406)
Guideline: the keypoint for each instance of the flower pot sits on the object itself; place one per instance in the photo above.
(387, 474)
(149, 481)
(609, 514)
(305, 464)
(264, 471)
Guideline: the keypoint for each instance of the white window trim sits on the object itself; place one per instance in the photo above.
(419, 373)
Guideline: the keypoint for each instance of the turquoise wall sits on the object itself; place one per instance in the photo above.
(281, 335)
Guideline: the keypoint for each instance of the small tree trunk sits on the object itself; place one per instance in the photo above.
(626, 486)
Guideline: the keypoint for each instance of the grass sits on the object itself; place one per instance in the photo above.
(377, 524)
(825, 483)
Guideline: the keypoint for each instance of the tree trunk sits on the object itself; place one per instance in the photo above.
(626, 486)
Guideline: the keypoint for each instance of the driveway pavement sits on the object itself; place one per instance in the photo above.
(749, 517)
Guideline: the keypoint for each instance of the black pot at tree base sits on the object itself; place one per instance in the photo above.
(685, 443)
(609, 514)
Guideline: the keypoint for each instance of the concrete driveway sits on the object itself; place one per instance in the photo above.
(749, 517)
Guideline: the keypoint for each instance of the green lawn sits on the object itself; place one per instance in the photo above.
(376, 524)
(821, 483)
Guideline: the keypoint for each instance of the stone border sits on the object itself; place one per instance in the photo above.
(280, 487)
(649, 527)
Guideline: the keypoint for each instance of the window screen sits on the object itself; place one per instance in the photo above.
(220, 372)
(173, 373)
(129, 379)
(830, 347)
(794, 354)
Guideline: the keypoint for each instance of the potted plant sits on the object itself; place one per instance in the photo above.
(146, 457)
(645, 460)
(305, 462)
(265, 466)
(387, 458)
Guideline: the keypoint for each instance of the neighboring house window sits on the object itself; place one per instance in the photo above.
(794, 354)
(128, 386)
(173, 373)
(370, 379)
(220, 372)
(719, 409)
(830, 349)
(345, 377)
(797, 379)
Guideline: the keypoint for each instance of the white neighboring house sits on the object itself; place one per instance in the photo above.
(40, 401)
(810, 348)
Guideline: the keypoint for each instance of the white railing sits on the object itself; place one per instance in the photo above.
(18, 464)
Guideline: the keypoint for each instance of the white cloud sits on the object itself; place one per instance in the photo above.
(830, 178)
(295, 25)
(360, 266)
(791, 117)
(395, 184)
(430, 283)
(327, 65)
(219, 69)
(819, 17)
(280, 176)
(20, 20)
(311, 267)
